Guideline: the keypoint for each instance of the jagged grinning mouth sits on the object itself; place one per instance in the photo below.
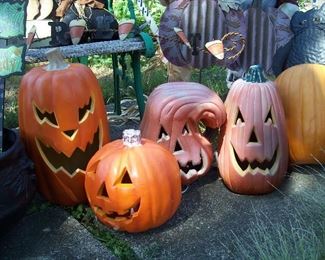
(120, 216)
(267, 167)
(77, 162)
(197, 169)
(190, 166)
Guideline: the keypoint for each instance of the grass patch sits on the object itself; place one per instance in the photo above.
(302, 236)
(86, 217)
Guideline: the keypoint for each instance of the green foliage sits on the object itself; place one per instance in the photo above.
(121, 10)
(214, 78)
(11, 102)
(38, 206)
(302, 3)
(86, 217)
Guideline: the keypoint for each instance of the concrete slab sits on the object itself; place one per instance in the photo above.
(51, 234)
(211, 223)
(211, 217)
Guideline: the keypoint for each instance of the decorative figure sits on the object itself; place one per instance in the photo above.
(63, 122)
(308, 43)
(265, 31)
(133, 184)
(201, 21)
(171, 118)
(253, 154)
(261, 27)
(302, 91)
(101, 24)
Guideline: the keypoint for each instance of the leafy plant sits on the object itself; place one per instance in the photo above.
(86, 217)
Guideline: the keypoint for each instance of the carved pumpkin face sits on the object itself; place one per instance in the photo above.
(253, 154)
(172, 117)
(133, 188)
(63, 123)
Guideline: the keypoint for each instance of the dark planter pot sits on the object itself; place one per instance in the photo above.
(17, 179)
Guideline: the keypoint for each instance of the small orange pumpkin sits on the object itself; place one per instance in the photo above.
(302, 91)
(63, 123)
(133, 185)
(253, 155)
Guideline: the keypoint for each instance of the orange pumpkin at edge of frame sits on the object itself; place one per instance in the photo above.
(62, 122)
(302, 91)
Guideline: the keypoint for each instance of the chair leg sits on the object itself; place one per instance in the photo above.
(117, 93)
(138, 81)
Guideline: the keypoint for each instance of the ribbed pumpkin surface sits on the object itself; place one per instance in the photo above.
(302, 90)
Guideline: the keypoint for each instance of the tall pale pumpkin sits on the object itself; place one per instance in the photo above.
(302, 91)
(253, 155)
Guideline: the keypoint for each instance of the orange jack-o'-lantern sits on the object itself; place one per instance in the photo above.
(172, 117)
(134, 184)
(63, 123)
(253, 155)
(302, 91)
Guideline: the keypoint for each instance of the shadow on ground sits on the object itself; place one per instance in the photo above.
(212, 222)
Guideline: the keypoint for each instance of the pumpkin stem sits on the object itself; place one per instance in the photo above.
(56, 60)
(131, 137)
(255, 74)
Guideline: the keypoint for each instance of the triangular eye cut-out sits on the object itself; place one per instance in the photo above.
(269, 117)
(253, 138)
(83, 111)
(126, 178)
(177, 147)
(239, 117)
(185, 130)
(162, 133)
(103, 191)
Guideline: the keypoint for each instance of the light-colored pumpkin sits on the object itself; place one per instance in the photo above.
(302, 91)
(171, 118)
(253, 155)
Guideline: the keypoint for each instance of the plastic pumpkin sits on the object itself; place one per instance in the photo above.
(63, 123)
(253, 155)
(302, 91)
(133, 184)
(171, 118)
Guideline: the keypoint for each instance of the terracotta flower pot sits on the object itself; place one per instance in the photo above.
(17, 179)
